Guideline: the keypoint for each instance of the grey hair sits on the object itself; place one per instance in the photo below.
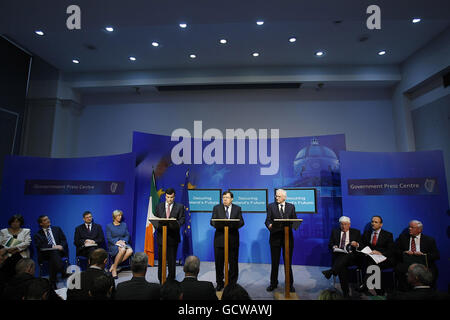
(419, 224)
(344, 219)
(283, 192)
(139, 262)
(192, 265)
(421, 273)
(24, 264)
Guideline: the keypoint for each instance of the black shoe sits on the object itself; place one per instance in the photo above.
(292, 289)
(362, 288)
(219, 287)
(271, 288)
(327, 273)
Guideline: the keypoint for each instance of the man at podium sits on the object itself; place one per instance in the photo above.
(226, 210)
(280, 209)
(169, 209)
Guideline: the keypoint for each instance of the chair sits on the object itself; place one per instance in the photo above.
(388, 280)
(355, 275)
(82, 262)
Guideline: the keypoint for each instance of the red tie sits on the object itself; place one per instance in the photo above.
(168, 212)
(374, 239)
(413, 244)
(344, 237)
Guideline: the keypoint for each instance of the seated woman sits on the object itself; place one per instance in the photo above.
(16, 241)
(118, 237)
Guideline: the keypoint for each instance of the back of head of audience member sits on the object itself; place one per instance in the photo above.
(192, 266)
(39, 289)
(234, 291)
(171, 290)
(98, 258)
(330, 294)
(102, 288)
(139, 264)
(25, 265)
(419, 275)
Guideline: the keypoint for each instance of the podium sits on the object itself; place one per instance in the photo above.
(164, 223)
(225, 224)
(286, 224)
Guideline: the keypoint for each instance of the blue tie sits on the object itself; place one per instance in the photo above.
(228, 213)
(49, 238)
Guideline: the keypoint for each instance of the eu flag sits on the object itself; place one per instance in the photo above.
(186, 230)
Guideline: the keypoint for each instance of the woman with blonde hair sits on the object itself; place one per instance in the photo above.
(118, 241)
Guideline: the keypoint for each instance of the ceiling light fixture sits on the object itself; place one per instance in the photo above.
(259, 22)
(292, 39)
(183, 25)
(109, 29)
(39, 32)
(255, 54)
(155, 44)
(132, 58)
(416, 20)
(192, 56)
(382, 53)
(223, 41)
(76, 61)
(319, 53)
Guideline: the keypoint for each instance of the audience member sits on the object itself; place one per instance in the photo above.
(330, 294)
(102, 288)
(39, 289)
(171, 290)
(138, 288)
(234, 291)
(18, 285)
(118, 241)
(193, 289)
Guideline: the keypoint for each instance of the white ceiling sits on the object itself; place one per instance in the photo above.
(139, 22)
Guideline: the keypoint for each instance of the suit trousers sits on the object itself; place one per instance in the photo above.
(55, 263)
(340, 263)
(275, 252)
(171, 261)
(233, 271)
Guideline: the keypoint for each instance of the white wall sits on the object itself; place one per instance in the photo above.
(364, 115)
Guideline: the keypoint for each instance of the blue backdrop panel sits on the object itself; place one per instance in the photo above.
(65, 210)
(391, 169)
(304, 162)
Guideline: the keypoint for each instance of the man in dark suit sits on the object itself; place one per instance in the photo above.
(347, 239)
(381, 242)
(97, 263)
(138, 288)
(193, 289)
(279, 210)
(88, 236)
(420, 280)
(51, 245)
(170, 209)
(226, 210)
(415, 243)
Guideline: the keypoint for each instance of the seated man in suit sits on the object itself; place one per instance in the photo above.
(226, 210)
(138, 288)
(381, 242)
(415, 243)
(192, 288)
(420, 280)
(51, 245)
(97, 262)
(348, 239)
(88, 236)
(170, 209)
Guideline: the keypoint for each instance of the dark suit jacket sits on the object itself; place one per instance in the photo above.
(427, 245)
(385, 242)
(82, 234)
(277, 234)
(17, 286)
(40, 241)
(194, 289)
(335, 238)
(87, 281)
(233, 233)
(138, 289)
(173, 234)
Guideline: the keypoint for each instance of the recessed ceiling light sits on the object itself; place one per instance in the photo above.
(416, 20)
(155, 44)
(39, 32)
(259, 22)
(382, 53)
(292, 39)
(109, 29)
(192, 56)
(183, 25)
(255, 54)
(223, 41)
(132, 58)
(319, 53)
(76, 61)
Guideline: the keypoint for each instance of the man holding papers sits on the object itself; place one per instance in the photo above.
(343, 243)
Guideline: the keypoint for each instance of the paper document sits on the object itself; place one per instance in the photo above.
(340, 250)
(378, 258)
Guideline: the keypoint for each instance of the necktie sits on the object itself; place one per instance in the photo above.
(89, 227)
(281, 211)
(49, 238)
(413, 244)
(168, 212)
(227, 212)
(344, 238)
(374, 239)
